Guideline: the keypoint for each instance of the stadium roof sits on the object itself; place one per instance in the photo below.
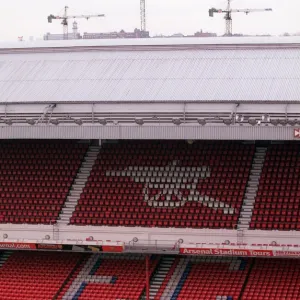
(151, 70)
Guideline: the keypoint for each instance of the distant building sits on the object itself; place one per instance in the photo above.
(74, 35)
(57, 36)
(204, 34)
(177, 35)
(117, 35)
(196, 34)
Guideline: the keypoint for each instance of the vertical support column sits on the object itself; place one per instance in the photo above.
(147, 278)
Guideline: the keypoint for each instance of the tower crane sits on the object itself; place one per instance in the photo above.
(143, 14)
(228, 11)
(65, 18)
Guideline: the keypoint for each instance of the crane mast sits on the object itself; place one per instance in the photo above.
(65, 18)
(143, 14)
(228, 20)
(228, 15)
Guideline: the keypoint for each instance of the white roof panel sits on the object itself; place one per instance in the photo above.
(190, 75)
(261, 40)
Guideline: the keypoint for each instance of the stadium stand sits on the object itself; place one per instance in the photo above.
(68, 276)
(164, 283)
(35, 179)
(278, 197)
(35, 275)
(64, 290)
(166, 184)
(274, 279)
(109, 277)
(211, 278)
(106, 94)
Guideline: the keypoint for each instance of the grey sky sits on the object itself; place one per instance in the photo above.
(29, 17)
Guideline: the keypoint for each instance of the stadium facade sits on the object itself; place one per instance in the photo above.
(213, 89)
(185, 147)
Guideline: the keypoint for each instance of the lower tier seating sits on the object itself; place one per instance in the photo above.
(277, 204)
(73, 276)
(166, 184)
(111, 277)
(35, 179)
(35, 275)
(273, 279)
(213, 278)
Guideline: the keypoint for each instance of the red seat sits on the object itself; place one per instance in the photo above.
(31, 174)
(122, 172)
(278, 190)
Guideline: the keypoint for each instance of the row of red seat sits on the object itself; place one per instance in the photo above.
(45, 275)
(218, 163)
(37, 173)
(278, 197)
(35, 275)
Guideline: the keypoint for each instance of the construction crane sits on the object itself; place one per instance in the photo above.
(143, 14)
(65, 18)
(228, 11)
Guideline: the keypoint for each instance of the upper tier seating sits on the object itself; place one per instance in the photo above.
(211, 278)
(273, 279)
(127, 278)
(166, 184)
(277, 205)
(35, 275)
(35, 179)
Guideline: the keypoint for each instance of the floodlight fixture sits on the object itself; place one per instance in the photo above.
(201, 121)
(292, 122)
(139, 121)
(274, 122)
(283, 121)
(227, 121)
(54, 121)
(30, 121)
(78, 121)
(252, 121)
(103, 121)
(176, 121)
(8, 121)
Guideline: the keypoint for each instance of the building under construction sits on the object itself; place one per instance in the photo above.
(75, 35)
(137, 33)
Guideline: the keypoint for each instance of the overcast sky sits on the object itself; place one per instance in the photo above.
(29, 17)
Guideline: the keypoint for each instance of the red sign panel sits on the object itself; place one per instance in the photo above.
(286, 253)
(20, 246)
(61, 247)
(238, 252)
(112, 248)
(226, 252)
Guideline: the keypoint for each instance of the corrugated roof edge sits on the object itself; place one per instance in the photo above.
(157, 42)
(158, 102)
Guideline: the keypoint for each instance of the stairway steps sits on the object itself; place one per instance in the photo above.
(252, 187)
(78, 185)
(160, 275)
